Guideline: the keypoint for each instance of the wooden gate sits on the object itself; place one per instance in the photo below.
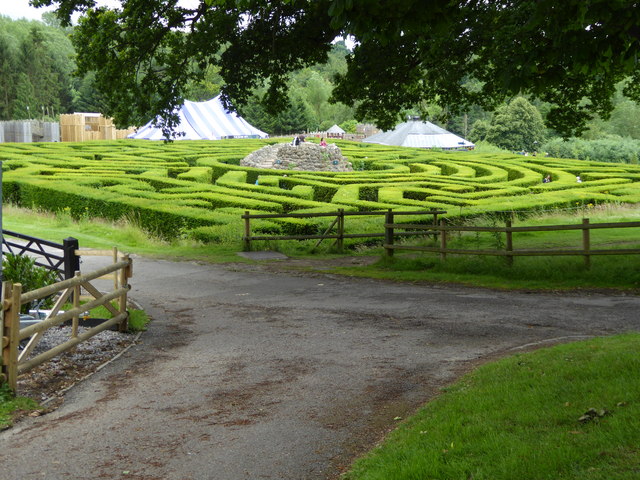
(16, 362)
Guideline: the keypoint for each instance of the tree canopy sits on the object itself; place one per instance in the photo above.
(517, 126)
(570, 54)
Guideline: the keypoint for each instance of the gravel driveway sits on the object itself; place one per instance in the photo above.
(249, 374)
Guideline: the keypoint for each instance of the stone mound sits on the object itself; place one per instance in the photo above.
(306, 156)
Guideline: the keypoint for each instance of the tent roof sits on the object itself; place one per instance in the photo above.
(204, 121)
(335, 129)
(416, 133)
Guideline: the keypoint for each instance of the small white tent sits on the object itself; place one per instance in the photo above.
(335, 130)
(416, 133)
(203, 121)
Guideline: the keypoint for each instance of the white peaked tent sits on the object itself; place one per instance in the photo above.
(203, 121)
(420, 134)
(335, 130)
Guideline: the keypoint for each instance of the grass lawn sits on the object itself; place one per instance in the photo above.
(562, 413)
(536, 273)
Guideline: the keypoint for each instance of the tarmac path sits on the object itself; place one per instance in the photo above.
(250, 374)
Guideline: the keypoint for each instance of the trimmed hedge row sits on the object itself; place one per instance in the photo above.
(199, 188)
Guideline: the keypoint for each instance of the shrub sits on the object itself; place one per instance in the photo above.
(23, 269)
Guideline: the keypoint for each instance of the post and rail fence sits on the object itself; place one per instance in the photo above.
(336, 229)
(509, 252)
(16, 361)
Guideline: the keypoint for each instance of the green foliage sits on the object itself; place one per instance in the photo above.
(22, 269)
(36, 62)
(295, 118)
(616, 150)
(195, 189)
(412, 56)
(349, 126)
(9, 404)
(517, 126)
(479, 130)
(138, 319)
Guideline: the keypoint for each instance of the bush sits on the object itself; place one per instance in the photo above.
(616, 150)
(23, 269)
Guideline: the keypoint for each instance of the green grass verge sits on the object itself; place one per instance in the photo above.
(138, 319)
(526, 417)
(10, 404)
(126, 235)
(528, 273)
(539, 273)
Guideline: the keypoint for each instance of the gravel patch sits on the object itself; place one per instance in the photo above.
(49, 381)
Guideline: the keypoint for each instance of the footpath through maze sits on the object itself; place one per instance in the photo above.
(199, 189)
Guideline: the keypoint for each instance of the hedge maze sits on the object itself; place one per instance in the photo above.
(197, 188)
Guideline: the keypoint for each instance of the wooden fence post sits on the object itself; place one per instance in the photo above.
(388, 233)
(247, 232)
(586, 243)
(76, 303)
(340, 242)
(509, 245)
(11, 320)
(435, 224)
(123, 274)
(4, 333)
(443, 241)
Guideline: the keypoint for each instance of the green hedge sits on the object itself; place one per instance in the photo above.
(199, 187)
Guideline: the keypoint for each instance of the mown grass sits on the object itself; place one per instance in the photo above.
(526, 417)
(126, 235)
(567, 272)
(539, 272)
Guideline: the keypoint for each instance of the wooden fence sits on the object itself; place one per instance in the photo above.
(338, 225)
(508, 230)
(16, 361)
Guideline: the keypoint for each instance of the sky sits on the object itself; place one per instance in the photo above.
(21, 9)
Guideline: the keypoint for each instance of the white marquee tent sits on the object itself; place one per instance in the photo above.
(420, 134)
(335, 130)
(204, 121)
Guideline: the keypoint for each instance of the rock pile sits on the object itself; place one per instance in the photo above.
(306, 156)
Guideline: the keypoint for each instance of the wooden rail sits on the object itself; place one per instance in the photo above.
(509, 252)
(338, 224)
(16, 362)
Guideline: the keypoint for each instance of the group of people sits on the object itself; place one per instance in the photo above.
(547, 179)
(298, 139)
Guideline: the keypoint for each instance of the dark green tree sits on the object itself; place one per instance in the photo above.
(85, 96)
(571, 54)
(479, 130)
(37, 63)
(296, 118)
(517, 126)
(25, 106)
(8, 74)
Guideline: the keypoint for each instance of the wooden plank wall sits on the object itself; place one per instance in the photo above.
(81, 127)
